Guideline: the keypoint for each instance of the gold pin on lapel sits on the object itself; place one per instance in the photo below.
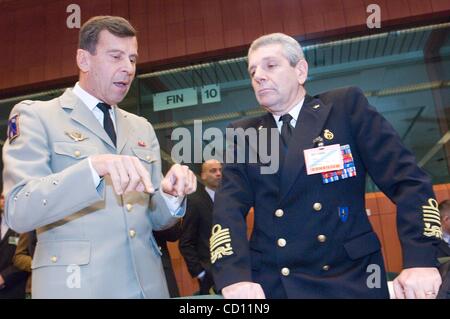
(316, 106)
(328, 134)
(76, 136)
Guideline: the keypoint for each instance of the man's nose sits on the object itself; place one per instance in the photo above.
(259, 75)
(128, 66)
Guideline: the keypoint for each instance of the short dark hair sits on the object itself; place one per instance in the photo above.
(444, 207)
(90, 30)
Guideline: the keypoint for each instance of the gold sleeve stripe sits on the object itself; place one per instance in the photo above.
(218, 237)
(220, 243)
(225, 241)
(438, 219)
(431, 212)
(432, 221)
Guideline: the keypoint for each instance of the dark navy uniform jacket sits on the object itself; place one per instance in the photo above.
(301, 246)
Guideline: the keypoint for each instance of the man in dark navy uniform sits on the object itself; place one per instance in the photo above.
(312, 237)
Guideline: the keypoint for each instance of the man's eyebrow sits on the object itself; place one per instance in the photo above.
(250, 67)
(135, 55)
(115, 51)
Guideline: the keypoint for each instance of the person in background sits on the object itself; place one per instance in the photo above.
(197, 223)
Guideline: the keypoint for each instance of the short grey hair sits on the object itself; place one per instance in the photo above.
(291, 48)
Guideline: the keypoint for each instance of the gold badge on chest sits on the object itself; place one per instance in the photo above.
(76, 136)
(328, 134)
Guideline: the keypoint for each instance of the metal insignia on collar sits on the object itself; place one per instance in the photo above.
(316, 106)
(328, 134)
(76, 136)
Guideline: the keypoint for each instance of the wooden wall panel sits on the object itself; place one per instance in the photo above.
(157, 31)
(194, 26)
(41, 44)
(213, 24)
(176, 37)
(7, 39)
(233, 21)
(440, 5)
(186, 284)
(55, 25)
(417, 7)
(292, 19)
(355, 17)
(253, 22)
(139, 19)
(120, 8)
(398, 9)
(271, 13)
(441, 192)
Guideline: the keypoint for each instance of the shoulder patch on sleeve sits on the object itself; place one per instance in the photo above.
(13, 127)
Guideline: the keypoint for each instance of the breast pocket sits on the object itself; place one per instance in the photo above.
(74, 150)
(147, 157)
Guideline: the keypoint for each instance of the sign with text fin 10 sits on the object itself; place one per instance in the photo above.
(174, 99)
(210, 93)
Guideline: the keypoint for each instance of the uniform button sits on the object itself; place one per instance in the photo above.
(132, 233)
(148, 158)
(129, 207)
(77, 153)
(317, 206)
(54, 259)
(44, 202)
(326, 267)
(281, 242)
(322, 238)
(279, 213)
(285, 271)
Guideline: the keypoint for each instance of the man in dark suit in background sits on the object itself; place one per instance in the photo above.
(12, 279)
(311, 236)
(194, 241)
(444, 245)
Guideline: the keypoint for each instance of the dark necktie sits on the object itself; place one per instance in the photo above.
(286, 129)
(107, 121)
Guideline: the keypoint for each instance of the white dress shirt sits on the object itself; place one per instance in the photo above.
(294, 112)
(210, 192)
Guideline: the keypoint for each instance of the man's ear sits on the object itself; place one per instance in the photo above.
(83, 60)
(302, 71)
